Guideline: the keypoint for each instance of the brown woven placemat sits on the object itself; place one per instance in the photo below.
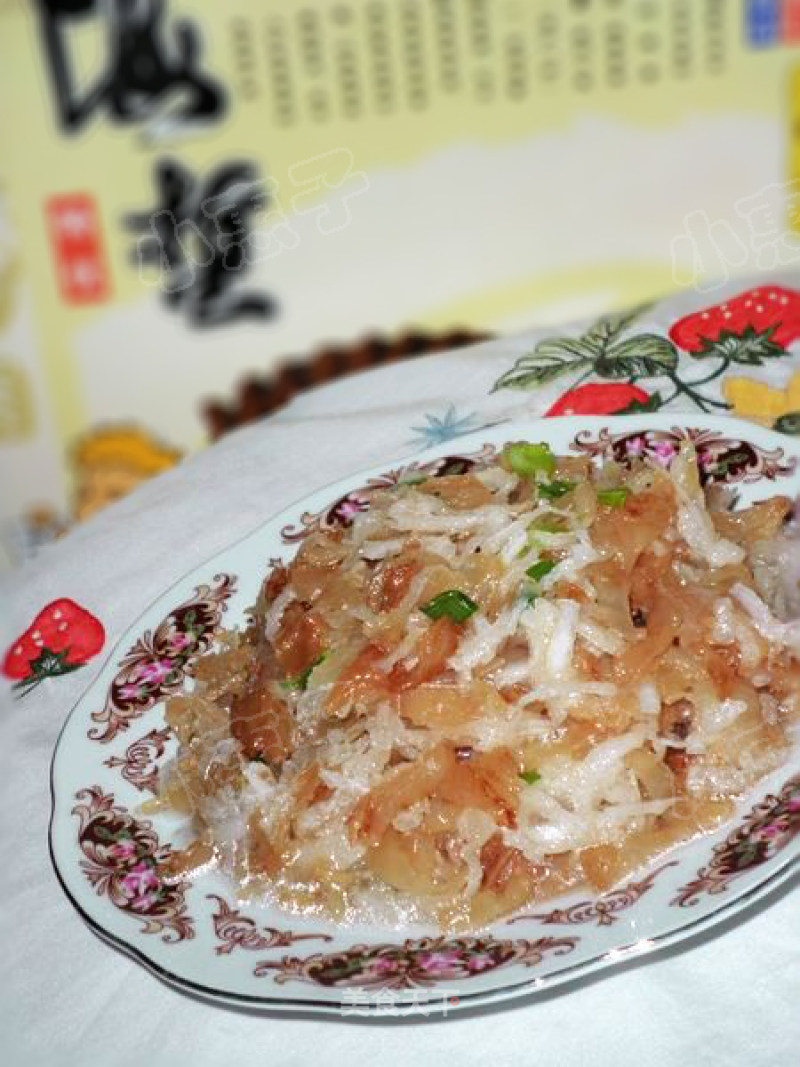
(260, 395)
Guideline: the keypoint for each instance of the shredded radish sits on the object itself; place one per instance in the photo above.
(696, 528)
(273, 617)
(483, 640)
(451, 701)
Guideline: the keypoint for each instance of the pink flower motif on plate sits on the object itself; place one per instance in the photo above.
(122, 858)
(139, 880)
(439, 961)
(180, 641)
(385, 964)
(771, 825)
(664, 452)
(723, 460)
(350, 508)
(131, 691)
(480, 962)
(413, 964)
(144, 902)
(766, 832)
(123, 850)
(159, 662)
(157, 671)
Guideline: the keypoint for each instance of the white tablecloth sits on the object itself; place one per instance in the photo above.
(729, 997)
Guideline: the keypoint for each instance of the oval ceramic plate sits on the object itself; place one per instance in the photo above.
(200, 938)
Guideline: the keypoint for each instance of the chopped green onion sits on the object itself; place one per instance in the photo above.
(414, 479)
(452, 603)
(527, 459)
(614, 498)
(300, 681)
(530, 777)
(550, 524)
(533, 543)
(556, 489)
(540, 569)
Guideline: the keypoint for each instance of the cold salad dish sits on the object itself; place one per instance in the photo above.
(490, 689)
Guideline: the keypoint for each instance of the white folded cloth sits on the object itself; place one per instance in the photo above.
(726, 997)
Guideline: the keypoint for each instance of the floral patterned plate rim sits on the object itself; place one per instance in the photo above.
(199, 938)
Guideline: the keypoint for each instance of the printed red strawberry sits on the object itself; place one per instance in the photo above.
(749, 328)
(63, 637)
(604, 399)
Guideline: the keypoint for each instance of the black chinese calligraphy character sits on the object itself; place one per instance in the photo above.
(200, 238)
(153, 65)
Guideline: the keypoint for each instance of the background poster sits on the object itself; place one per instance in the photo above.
(191, 193)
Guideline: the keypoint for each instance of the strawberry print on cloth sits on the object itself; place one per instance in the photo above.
(63, 637)
(602, 352)
(602, 399)
(756, 326)
(617, 372)
(752, 327)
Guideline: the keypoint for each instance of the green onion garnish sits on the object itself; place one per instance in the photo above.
(549, 524)
(452, 603)
(530, 777)
(527, 459)
(300, 681)
(540, 569)
(614, 498)
(555, 490)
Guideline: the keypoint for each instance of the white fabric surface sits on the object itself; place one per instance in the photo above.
(729, 997)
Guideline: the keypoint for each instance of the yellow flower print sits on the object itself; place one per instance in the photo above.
(761, 402)
(110, 461)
